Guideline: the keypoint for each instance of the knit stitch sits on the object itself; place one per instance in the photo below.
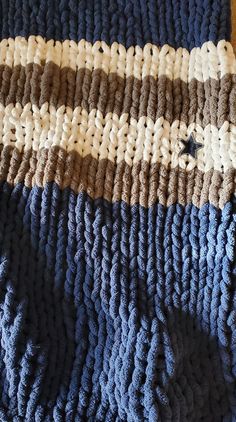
(117, 211)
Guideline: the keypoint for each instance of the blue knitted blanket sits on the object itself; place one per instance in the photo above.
(117, 211)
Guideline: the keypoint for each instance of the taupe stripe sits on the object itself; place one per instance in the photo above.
(143, 184)
(213, 101)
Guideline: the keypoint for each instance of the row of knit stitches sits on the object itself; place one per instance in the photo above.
(117, 140)
(143, 183)
(202, 103)
(111, 144)
(128, 22)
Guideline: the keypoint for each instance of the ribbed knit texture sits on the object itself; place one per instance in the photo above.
(117, 211)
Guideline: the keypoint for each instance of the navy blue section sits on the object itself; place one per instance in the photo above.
(115, 313)
(180, 23)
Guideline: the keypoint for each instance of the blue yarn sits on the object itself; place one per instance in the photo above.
(129, 22)
(127, 313)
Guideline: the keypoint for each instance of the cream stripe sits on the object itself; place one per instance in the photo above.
(116, 138)
(209, 61)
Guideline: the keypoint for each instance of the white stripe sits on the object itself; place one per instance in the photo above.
(209, 61)
(116, 138)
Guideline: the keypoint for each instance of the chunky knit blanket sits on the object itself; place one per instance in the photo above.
(117, 211)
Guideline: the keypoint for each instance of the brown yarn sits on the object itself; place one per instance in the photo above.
(143, 183)
(210, 102)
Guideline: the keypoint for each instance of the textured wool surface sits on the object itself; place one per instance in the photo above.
(117, 211)
(233, 23)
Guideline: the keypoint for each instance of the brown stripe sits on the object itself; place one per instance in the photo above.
(143, 184)
(211, 102)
